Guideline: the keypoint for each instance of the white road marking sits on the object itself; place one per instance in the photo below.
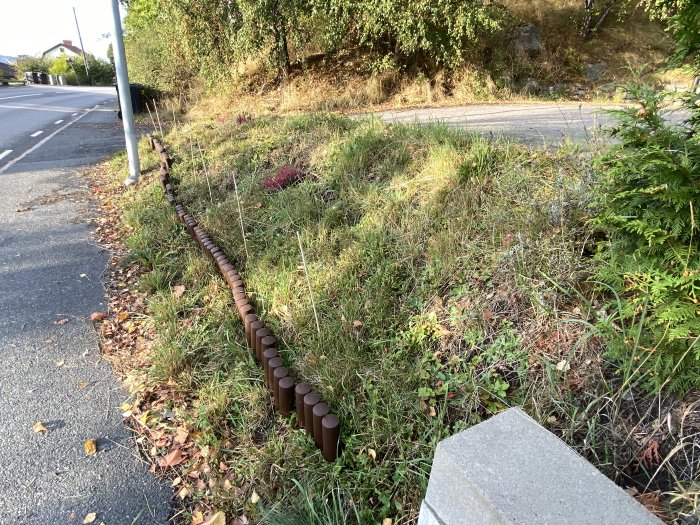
(37, 133)
(20, 96)
(58, 121)
(41, 142)
(55, 109)
(5, 153)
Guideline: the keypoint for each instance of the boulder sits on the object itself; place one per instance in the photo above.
(593, 72)
(528, 41)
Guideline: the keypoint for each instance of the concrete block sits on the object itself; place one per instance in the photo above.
(510, 470)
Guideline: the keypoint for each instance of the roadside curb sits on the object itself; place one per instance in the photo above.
(287, 393)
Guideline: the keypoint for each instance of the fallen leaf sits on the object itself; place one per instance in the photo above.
(171, 459)
(372, 453)
(180, 436)
(432, 412)
(60, 363)
(97, 316)
(254, 498)
(563, 366)
(241, 520)
(443, 330)
(90, 447)
(217, 519)
(90, 518)
(197, 517)
(227, 485)
(357, 324)
(649, 455)
(387, 521)
(177, 481)
(487, 314)
(178, 291)
(184, 492)
(39, 427)
(61, 322)
(122, 316)
(47, 341)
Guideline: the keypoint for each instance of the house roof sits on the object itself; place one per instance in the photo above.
(73, 48)
(6, 70)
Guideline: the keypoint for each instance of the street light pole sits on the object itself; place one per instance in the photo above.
(132, 150)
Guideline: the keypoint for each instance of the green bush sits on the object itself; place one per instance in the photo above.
(649, 202)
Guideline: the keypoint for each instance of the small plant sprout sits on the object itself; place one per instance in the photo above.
(206, 170)
(308, 283)
(153, 122)
(240, 215)
(155, 108)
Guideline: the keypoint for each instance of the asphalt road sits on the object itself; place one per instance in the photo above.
(535, 124)
(50, 270)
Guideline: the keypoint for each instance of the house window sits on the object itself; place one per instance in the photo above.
(61, 50)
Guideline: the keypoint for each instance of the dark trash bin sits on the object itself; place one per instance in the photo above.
(136, 92)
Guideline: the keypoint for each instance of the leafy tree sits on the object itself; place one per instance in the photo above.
(683, 18)
(110, 54)
(431, 33)
(156, 42)
(31, 63)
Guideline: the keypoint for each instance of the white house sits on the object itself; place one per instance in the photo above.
(66, 48)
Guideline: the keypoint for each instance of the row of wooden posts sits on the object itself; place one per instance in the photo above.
(287, 395)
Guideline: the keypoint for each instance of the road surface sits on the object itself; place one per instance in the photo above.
(535, 124)
(52, 372)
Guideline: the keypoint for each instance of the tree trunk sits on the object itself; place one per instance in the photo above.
(281, 46)
(585, 30)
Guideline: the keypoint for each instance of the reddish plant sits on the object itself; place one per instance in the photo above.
(285, 176)
(242, 118)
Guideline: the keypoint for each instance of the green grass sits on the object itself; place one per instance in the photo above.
(441, 265)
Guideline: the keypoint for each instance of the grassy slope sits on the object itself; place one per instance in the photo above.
(441, 268)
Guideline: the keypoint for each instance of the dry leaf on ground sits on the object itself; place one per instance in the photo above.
(90, 447)
(61, 322)
(97, 316)
(171, 459)
(39, 427)
(178, 290)
(217, 519)
(90, 518)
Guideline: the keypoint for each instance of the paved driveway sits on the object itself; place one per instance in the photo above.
(537, 124)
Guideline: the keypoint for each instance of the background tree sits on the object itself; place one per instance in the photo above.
(31, 63)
